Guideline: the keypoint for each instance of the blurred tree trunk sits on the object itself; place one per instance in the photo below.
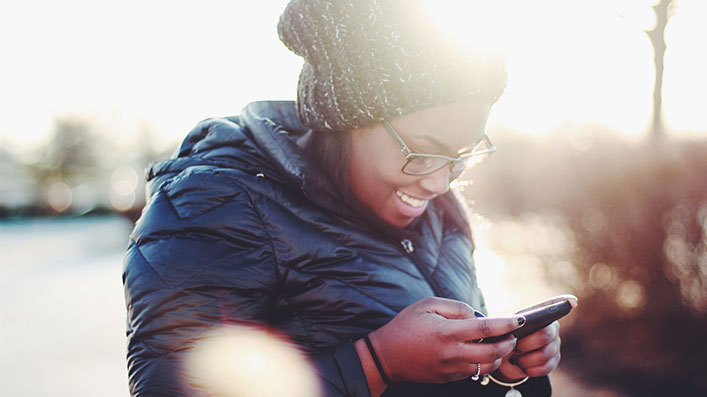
(657, 37)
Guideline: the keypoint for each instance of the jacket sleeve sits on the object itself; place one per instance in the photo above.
(340, 372)
(197, 258)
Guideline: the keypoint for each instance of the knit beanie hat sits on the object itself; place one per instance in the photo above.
(369, 60)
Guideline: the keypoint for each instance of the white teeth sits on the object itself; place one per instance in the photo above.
(409, 200)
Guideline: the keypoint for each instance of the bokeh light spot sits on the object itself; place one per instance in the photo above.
(594, 221)
(122, 202)
(630, 295)
(582, 140)
(59, 196)
(602, 276)
(237, 361)
(124, 180)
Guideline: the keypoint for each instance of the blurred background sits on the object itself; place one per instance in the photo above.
(598, 187)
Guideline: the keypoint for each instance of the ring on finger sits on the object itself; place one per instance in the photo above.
(475, 377)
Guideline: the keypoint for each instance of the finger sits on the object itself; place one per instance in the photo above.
(538, 339)
(483, 352)
(487, 368)
(511, 370)
(559, 298)
(479, 328)
(538, 357)
(467, 370)
(449, 308)
(545, 368)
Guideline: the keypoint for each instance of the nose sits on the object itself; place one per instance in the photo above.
(436, 182)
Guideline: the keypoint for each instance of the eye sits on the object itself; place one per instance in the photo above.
(424, 164)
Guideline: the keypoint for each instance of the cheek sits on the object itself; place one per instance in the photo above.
(375, 187)
(375, 171)
(374, 182)
(387, 177)
(388, 168)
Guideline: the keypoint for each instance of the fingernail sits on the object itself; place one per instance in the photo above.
(478, 314)
(521, 320)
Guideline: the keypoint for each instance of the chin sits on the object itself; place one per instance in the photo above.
(399, 222)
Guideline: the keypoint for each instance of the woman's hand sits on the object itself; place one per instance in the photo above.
(432, 340)
(537, 354)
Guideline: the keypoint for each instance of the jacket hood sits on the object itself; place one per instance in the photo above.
(267, 138)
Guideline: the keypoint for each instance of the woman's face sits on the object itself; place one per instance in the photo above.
(375, 158)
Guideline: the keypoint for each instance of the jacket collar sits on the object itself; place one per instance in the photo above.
(280, 134)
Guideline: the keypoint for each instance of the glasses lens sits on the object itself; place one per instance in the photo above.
(473, 160)
(484, 147)
(460, 166)
(421, 165)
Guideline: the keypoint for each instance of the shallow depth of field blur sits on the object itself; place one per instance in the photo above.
(588, 193)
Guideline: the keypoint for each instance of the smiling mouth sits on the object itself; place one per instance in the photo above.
(413, 202)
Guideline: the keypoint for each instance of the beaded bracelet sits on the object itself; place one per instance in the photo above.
(385, 378)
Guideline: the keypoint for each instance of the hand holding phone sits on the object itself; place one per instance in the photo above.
(540, 316)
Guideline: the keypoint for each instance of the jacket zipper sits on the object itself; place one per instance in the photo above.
(409, 249)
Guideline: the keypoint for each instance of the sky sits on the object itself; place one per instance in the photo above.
(165, 65)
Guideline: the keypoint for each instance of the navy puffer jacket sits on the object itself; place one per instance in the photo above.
(242, 228)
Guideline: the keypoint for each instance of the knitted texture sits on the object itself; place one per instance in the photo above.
(369, 60)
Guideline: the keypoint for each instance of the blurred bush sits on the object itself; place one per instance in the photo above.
(638, 215)
(84, 168)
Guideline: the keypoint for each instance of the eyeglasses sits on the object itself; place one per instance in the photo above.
(425, 164)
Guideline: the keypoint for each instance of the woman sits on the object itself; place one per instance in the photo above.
(331, 220)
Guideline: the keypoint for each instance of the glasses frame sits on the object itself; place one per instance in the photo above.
(410, 155)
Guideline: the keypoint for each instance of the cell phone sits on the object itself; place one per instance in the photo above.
(536, 319)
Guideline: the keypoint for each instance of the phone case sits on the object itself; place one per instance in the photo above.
(537, 319)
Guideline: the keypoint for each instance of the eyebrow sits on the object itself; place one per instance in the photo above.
(444, 147)
(434, 140)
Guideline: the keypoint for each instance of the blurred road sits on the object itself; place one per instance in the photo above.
(62, 308)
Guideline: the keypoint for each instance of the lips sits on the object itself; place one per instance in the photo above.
(409, 207)
(413, 202)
